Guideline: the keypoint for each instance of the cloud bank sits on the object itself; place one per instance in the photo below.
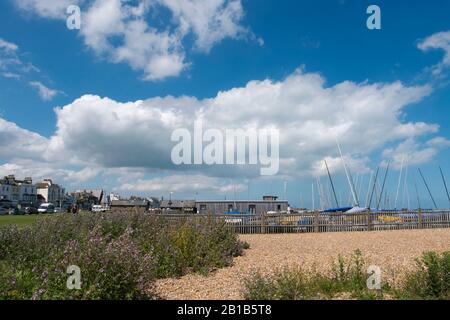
(110, 138)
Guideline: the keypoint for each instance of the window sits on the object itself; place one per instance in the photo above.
(279, 207)
(230, 208)
(202, 207)
(252, 208)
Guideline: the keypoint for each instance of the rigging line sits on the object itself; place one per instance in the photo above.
(332, 184)
(384, 183)
(417, 192)
(426, 185)
(399, 183)
(348, 174)
(373, 189)
(368, 188)
(445, 184)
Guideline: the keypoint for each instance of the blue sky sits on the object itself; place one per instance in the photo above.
(258, 40)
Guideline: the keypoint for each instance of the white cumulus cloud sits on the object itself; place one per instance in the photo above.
(55, 9)
(309, 115)
(44, 92)
(181, 183)
(8, 46)
(123, 31)
(438, 41)
(127, 141)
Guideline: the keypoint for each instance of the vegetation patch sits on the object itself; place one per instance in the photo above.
(119, 254)
(347, 279)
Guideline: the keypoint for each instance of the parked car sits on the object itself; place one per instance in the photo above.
(46, 208)
(6, 209)
(26, 208)
(30, 210)
(98, 208)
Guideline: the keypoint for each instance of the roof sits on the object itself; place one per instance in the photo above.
(47, 183)
(12, 181)
(41, 185)
(242, 201)
(177, 204)
(96, 193)
(129, 203)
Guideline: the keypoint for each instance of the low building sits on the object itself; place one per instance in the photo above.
(50, 192)
(181, 206)
(268, 204)
(87, 198)
(140, 204)
(112, 197)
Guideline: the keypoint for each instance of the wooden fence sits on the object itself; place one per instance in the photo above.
(324, 222)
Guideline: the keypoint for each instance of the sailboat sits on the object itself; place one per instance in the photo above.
(349, 209)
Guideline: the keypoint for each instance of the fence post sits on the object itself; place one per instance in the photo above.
(263, 222)
(420, 219)
(369, 221)
(316, 221)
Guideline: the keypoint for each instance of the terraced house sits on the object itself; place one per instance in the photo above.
(47, 191)
(15, 190)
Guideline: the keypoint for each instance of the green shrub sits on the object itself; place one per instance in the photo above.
(347, 278)
(430, 279)
(349, 275)
(119, 254)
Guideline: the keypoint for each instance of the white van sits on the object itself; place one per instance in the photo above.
(46, 208)
(98, 208)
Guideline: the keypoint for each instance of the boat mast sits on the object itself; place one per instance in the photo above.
(417, 192)
(320, 190)
(426, 185)
(368, 189)
(406, 188)
(399, 183)
(349, 177)
(445, 184)
(332, 184)
(373, 189)
(384, 183)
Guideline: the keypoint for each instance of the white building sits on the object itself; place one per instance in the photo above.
(5, 191)
(17, 190)
(50, 192)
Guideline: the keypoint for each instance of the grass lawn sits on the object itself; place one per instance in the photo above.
(25, 220)
(18, 220)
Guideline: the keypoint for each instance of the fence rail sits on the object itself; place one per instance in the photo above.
(323, 222)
